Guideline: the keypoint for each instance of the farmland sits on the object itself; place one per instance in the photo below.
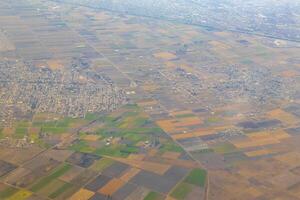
(97, 102)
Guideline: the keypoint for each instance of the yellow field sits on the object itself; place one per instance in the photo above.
(149, 102)
(154, 167)
(168, 125)
(165, 55)
(262, 138)
(82, 194)
(150, 87)
(290, 73)
(292, 159)
(258, 152)
(254, 143)
(129, 174)
(8, 131)
(171, 155)
(91, 137)
(136, 156)
(283, 116)
(6, 44)
(178, 124)
(180, 112)
(278, 134)
(199, 132)
(54, 64)
(20, 195)
(112, 186)
(219, 45)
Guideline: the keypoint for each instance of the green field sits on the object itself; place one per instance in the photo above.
(181, 191)
(102, 164)
(82, 146)
(60, 190)
(47, 180)
(223, 148)
(196, 177)
(153, 196)
(170, 146)
(7, 192)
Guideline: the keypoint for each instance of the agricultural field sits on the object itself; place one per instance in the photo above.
(100, 104)
(121, 154)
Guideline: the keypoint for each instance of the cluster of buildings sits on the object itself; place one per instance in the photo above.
(27, 89)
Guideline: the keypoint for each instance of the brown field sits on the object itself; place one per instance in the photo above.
(200, 132)
(17, 156)
(292, 159)
(129, 174)
(180, 112)
(290, 73)
(278, 134)
(165, 55)
(295, 190)
(168, 126)
(101, 16)
(55, 64)
(219, 45)
(92, 137)
(136, 156)
(112, 186)
(285, 180)
(139, 193)
(179, 124)
(169, 198)
(188, 121)
(152, 152)
(82, 194)
(176, 162)
(223, 34)
(258, 152)
(46, 116)
(283, 116)
(71, 174)
(8, 131)
(60, 155)
(255, 143)
(149, 102)
(170, 64)
(171, 155)
(150, 87)
(157, 168)
(6, 44)
(34, 130)
(16, 175)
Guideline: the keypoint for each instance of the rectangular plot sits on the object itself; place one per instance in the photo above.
(139, 193)
(154, 182)
(82, 194)
(112, 186)
(14, 178)
(98, 183)
(84, 177)
(97, 196)
(46, 180)
(129, 174)
(115, 169)
(124, 191)
(176, 173)
(6, 167)
(83, 159)
(260, 152)
(71, 174)
(51, 187)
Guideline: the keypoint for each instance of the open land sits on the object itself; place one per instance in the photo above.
(97, 103)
